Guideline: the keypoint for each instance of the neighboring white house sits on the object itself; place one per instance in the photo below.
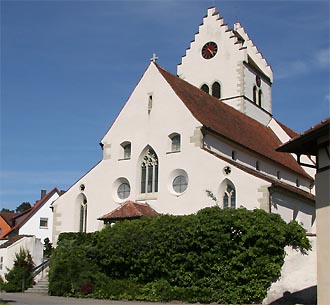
(202, 137)
(10, 247)
(39, 220)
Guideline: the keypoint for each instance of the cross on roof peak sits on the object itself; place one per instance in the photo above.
(154, 58)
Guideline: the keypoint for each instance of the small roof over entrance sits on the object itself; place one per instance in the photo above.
(129, 210)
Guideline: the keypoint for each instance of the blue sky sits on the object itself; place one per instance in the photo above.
(67, 67)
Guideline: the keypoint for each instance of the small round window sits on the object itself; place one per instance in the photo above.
(123, 190)
(180, 184)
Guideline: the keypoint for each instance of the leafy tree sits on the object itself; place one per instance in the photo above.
(22, 269)
(23, 207)
(48, 247)
(7, 210)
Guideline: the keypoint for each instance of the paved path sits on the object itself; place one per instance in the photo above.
(37, 299)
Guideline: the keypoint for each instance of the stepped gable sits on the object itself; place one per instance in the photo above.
(212, 13)
(130, 210)
(229, 123)
(255, 58)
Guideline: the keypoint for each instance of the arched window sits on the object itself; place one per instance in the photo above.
(229, 196)
(126, 150)
(255, 94)
(175, 142)
(216, 90)
(260, 98)
(205, 88)
(83, 215)
(149, 172)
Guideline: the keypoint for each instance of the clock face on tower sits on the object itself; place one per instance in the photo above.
(209, 50)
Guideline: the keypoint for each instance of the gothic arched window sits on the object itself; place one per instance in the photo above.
(149, 172)
(229, 196)
(205, 88)
(83, 215)
(216, 90)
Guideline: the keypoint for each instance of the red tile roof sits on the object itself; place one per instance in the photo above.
(128, 210)
(32, 211)
(230, 123)
(9, 217)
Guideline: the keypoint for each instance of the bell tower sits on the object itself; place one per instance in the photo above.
(225, 63)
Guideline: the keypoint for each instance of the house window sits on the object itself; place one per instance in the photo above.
(83, 216)
(229, 196)
(175, 142)
(180, 184)
(43, 223)
(216, 90)
(297, 183)
(233, 155)
(205, 88)
(255, 94)
(257, 166)
(124, 190)
(149, 173)
(1, 262)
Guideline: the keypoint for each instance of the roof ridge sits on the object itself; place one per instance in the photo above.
(218, 116)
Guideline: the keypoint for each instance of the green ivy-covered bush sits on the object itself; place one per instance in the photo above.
(224, 256)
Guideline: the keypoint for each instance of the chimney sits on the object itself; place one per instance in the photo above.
(43, 193)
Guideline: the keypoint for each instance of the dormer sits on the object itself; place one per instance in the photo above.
(229, 59)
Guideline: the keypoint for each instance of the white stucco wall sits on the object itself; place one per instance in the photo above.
(32, 225)
(30, 243)
(298, 274)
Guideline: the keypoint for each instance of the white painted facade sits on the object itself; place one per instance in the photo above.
(154, 112)
(208, 161)
(8, 254)
(40, 222)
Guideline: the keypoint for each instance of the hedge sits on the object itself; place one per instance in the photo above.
(224, 256)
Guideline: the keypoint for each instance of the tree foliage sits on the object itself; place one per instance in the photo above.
(225, 256)
(23, 207)
(22, 270)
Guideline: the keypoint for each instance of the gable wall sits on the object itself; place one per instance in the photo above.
(32, 225)
(4, 227)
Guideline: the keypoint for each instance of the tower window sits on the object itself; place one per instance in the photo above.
(127, 150)
(260, 98)
(255, 94)
(205, 88)
(216, 90)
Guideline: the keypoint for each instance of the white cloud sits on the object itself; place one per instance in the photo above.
(291, 69)
(322, 58)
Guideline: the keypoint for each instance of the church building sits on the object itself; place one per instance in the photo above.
(203, 137)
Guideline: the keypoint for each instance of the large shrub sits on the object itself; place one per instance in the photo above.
(21, 271)
(216, 255)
